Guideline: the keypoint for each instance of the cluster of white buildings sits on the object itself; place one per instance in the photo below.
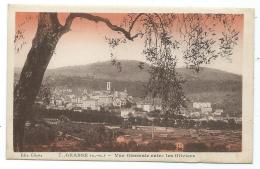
(93, 100)
(142, 108)
(65, 98)
(204, 111)
(149, 105)
(201, 109)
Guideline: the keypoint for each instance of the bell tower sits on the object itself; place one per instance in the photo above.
(108, 86)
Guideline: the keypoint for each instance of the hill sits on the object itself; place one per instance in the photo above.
(131, 72)
(105, 70)
(219, 87)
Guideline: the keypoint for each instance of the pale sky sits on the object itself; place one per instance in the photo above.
(80, 47)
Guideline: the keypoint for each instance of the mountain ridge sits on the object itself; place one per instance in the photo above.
(131, 72)
(222, 89)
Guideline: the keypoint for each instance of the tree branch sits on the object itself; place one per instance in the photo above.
(132, 25)
(97, 19)
(162, 25)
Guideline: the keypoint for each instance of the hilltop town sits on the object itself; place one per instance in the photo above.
(103, 110)
(121, 103)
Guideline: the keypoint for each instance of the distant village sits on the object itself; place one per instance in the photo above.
(113, 120)
(125, 105)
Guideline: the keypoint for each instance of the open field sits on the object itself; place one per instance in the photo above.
(75, 136)
(212, 138)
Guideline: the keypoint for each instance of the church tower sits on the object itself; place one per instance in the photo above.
(108, 86)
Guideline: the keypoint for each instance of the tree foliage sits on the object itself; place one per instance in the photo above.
(195, 40)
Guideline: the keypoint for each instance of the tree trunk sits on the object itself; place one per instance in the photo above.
(47, 36)
(43, 45)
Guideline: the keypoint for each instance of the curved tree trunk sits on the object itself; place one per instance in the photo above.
(47, 36)
(25, 92)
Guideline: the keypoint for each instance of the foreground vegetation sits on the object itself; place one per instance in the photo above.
(71, 136)
(113, 118)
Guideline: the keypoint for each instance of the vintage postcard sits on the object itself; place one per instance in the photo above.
(130, 84)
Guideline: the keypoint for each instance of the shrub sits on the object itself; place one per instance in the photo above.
(196, 147)
(39, 135)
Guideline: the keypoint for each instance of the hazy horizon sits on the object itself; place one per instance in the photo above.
(53, 68)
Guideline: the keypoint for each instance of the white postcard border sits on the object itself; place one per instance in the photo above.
(245, 156)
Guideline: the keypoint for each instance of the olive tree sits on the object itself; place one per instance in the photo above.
(160, 50)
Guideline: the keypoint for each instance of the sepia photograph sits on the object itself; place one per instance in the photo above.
(170, 85)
